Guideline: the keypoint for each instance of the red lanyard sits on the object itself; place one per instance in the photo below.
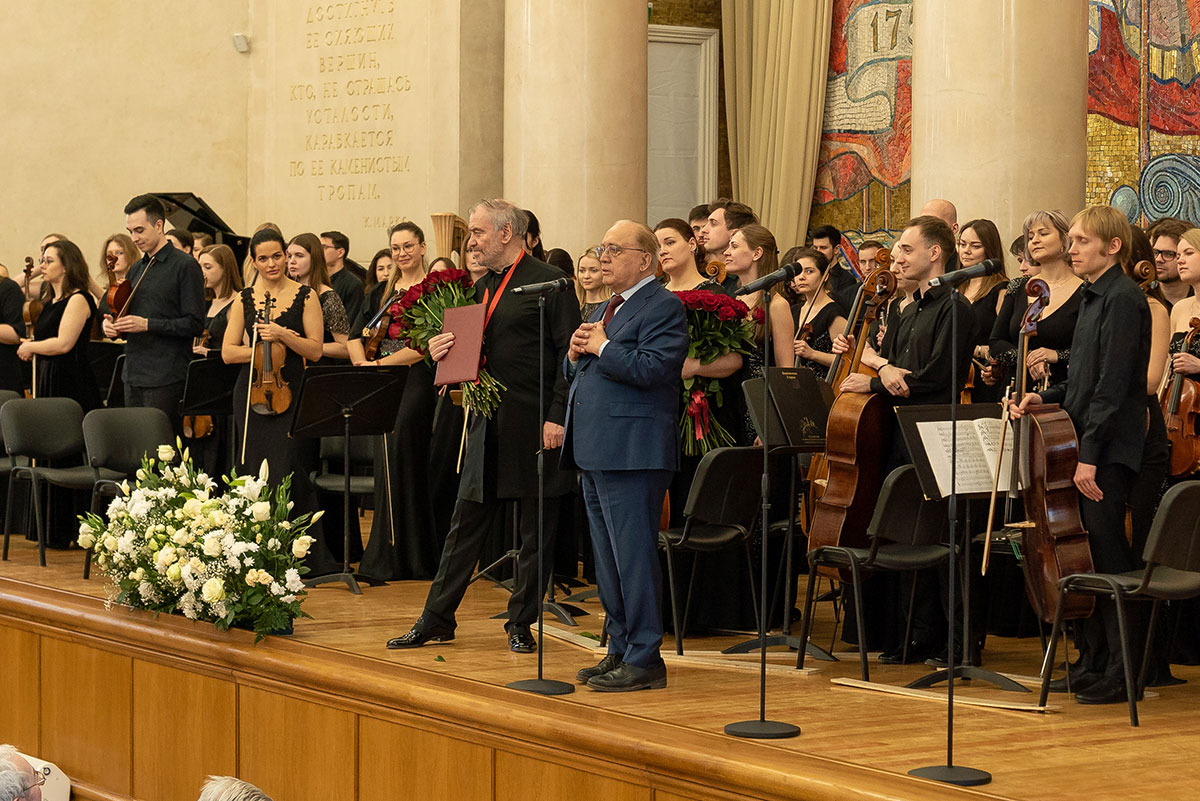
(499, 291)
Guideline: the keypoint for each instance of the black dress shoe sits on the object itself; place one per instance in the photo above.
(1080, 682)
(1108, 690)
(940, 660)
(419, 635)
(917, 652)
(520, 640)
(626, 678)
(610, 662)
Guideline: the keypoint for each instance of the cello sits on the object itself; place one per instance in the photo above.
(853, 456)
(1181, 408)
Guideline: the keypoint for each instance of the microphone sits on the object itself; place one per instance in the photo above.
(785, 273)
(986, 267)
(543, 288)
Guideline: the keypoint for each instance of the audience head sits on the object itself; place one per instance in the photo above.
(867, 252)
(924, 248)
(533, 236)
(751, 253)
(19, 780)
(1099, 238)
(380, 269)
(497, 233)
(336, 247)
(306, 261)
(1188, 265)
(697, 218)
(63, 261)
(942, 209)
(183, 240)
(724, 217)
(227, 788)
(979, 240)
(677, 247)
(119, 253)
(1165, 236)
(557, 257)
(827, 240)
(628, 253)
(267, 252)
(1047, 237)
(407, 242)
(221, 274)
(588, 277)
(145, 217)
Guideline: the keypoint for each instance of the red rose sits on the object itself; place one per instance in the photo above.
(759, 316)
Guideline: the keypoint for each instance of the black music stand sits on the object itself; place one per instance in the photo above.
(208, 388)
(344, 401)
(797, 417)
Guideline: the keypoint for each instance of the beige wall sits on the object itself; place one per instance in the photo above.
(100, 101)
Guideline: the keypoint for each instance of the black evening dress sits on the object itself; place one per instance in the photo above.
(267, 435)
(984, 308)
(819, 339)
(1054, 330)
(214, 452)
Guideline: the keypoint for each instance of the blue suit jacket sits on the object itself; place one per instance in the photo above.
(623, 407)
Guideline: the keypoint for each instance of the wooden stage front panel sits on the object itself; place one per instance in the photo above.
(137, 707)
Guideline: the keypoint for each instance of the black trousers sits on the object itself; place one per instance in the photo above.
(167, 397)
(469, 526)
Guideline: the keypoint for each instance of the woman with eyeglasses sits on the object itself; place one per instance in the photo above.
(407, 529)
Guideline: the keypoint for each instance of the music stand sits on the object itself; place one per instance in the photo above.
(796, 419)
(208, 387)
(347, 401)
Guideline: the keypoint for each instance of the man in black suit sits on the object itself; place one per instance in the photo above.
(623, 431)
(501, 456)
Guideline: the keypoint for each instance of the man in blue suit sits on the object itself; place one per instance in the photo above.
(622, 431)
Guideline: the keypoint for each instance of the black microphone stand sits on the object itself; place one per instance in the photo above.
(763, 729)
(541, 685)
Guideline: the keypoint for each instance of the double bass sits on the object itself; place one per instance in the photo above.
(1181, 409)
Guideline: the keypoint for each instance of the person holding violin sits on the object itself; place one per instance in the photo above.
(223, 278)
(306, 264)
(1046, 256)
(1105, 396)
(118, 255)
(275, 328)
(405, 540)
(817, 318)
(979, 240)
(159, 314)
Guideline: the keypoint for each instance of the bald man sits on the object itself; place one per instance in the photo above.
(943, 210)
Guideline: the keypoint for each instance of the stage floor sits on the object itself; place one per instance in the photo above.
(1072, 751)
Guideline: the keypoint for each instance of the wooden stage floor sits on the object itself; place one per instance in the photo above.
(1072, 751)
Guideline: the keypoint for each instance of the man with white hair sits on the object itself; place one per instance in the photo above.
(18, 780)
(227, 788)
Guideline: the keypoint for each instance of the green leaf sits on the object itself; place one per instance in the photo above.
(439, 658)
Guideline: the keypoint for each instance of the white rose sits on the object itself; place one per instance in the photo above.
(86, 539)
(300, 546)
(212, 545)
(174, 573)
(110, 543)
(192, 507)
(213, 591)
(165, 453)
(260, 511)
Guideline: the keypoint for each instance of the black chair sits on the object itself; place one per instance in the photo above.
(722, 506)
(44, 430)
(1172, 573)
(332, 451)
(907, 533)
(116, 440)
(6, 467)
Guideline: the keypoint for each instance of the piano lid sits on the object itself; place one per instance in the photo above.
(188, 211)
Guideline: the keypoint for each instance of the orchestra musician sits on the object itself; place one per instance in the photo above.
(306, 264)
(1105, 395)
(164, 314)
(815, 310)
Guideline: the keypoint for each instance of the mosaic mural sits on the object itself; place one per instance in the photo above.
(863, 176)
(1144, 107)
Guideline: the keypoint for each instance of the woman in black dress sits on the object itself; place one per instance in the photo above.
(590, 291)
(405, 539)
(223, 279)
(979, 240)
(295, 322)
(306, 264)
(813, 306)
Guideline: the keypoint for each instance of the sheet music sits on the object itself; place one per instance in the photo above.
(978, 443)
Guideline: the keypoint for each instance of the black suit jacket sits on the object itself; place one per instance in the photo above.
(501, 453)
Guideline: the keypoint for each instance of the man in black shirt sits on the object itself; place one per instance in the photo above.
(843, 283)
(164, 314)
(343, 280)
(1105, 396)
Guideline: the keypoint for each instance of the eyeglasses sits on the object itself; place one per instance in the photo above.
(407, 247)
(1165, 255)
(614, 250)
(45, 774)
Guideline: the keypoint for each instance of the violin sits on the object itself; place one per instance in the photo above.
(1181, 407)
(805, 332)
(32, 309)
(853, 456)
(269, 392)
(117, 297)
(200, 425)
(375, 330)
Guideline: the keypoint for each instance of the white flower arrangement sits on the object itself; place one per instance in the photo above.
(171, 544)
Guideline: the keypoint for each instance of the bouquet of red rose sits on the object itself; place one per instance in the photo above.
(717, 325)
(417, 318)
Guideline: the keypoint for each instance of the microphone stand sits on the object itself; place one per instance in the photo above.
(763, 729)
(541, 685)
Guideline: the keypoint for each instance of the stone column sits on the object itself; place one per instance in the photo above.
(575, 115)
(999, 105)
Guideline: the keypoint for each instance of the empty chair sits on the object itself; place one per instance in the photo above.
(722, 505)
